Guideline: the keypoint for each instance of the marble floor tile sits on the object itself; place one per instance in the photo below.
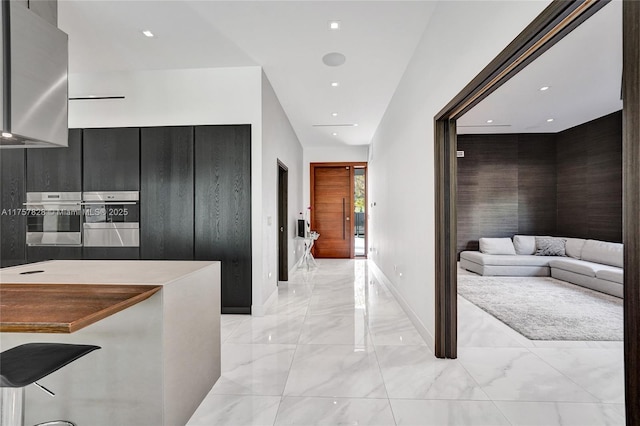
(599, 371)
(414, 372)
(279, 329)
(517, 374)
(308, 411)
(560, 414)
(335, 330)
(229, 323)
(409, 412)
(394, 331)
(253, 369)
(335, 371)
(236, 410)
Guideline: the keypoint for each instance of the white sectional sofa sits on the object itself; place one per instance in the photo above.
(589, 263)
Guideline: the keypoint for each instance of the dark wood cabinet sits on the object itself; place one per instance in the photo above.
(41, 253)
(166, 193)
(13, 224)
(111, 159)
(223, 208)
(110, 253)
(56, 169)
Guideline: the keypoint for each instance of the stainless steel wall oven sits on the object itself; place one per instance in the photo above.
(111, 219)
(53, 218)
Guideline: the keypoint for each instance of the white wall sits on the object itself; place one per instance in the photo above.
(461, 39)
(279, 142)
(182, 97)
(329, 155)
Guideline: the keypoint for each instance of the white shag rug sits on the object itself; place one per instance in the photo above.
(543, 308)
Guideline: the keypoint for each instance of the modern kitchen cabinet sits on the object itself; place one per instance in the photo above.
(111, 159)
(41, 253)
(223, 208)
(56, 169)
(166, 193)
(110, 253)
(13, 223)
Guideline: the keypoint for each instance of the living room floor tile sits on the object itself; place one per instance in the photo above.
(517, 374)
(560, 414)
(599, 371)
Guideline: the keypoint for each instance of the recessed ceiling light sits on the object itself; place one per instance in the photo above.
(7, 135)
(543, 88)
(355, 125)
(335, 114)
(549, 120)
(334, 134)
(147, 33)
(335, 84)
(489, 121)
(334, 25)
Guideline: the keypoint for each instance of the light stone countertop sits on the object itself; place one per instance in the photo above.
(157, 272)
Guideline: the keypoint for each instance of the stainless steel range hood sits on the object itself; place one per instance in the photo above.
(34, 89)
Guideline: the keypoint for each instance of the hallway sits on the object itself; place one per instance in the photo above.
(335, 347)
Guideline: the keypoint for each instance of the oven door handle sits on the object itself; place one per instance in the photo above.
(107, 203)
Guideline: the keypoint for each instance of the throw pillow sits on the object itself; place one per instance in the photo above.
(524, 244)
(550, 246)
(497, 246)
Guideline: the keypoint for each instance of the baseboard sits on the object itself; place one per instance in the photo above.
(415, 320)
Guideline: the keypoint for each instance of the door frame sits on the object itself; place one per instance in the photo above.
(556, 21)
(283, 222)
(351, 165)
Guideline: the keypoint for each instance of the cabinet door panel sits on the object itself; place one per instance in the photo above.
(56, 169)
(13, 224)
(110, 253)
(166, 193)
(41, 253)
(111, 159)
(223, 208)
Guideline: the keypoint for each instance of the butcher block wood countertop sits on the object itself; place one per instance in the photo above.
(64, 308)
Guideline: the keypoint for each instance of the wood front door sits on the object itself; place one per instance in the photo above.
(332, 209)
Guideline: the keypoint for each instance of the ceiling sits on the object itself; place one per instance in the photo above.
(287, 38)
(583, 73)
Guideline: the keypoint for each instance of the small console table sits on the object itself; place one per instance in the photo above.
(307, 258)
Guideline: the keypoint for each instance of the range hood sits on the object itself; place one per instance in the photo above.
(34, 89)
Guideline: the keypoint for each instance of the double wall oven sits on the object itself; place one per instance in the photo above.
(89, 219)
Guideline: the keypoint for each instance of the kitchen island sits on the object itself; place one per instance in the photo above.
(158, 323)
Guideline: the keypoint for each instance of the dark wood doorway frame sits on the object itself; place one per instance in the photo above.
(555, 22)
(283, 222)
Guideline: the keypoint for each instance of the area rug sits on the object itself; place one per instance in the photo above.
(543, 308)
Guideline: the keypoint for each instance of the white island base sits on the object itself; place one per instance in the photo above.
(159, 358)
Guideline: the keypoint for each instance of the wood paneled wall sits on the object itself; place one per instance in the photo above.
(590, 179)
(506, 186)
(568, 184)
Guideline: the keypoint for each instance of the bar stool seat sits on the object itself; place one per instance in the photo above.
(26, 364)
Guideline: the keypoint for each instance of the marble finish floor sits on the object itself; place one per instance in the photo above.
(336, 348)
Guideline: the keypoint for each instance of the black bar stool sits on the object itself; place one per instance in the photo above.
(24, 365)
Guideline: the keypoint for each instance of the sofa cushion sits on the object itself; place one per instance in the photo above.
(550, 246)
(497, 246)
(505, 260)
(524, 244)
(616, 276)
(583, 267)
(603, 252)
(573, 247)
